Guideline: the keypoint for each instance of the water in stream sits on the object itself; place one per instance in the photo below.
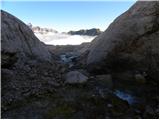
(131, 99)
(67, 58)
(126, 96)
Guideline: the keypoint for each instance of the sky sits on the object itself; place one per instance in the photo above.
(64, 16)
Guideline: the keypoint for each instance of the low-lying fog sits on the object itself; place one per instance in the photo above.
(63, 39)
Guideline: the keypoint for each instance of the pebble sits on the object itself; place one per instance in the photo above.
(109, 105)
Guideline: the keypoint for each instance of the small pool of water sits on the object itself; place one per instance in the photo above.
(126, 96)
(65, 59)
(68, 59)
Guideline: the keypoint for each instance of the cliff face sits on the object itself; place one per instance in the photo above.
(130, 42)
(18, 38)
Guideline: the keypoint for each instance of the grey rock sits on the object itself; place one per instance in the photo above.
(130, 42)
(25, 64)
(69, 50)
(149, 110)
(27, 68)
(18, 38)
(105, 80)
(46, 73)
(109, 105)
(124, 76)
(140, 78)
(7, 74)
(74, 77)
(53, 83)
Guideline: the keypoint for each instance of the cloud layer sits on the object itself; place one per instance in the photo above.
(63, 39)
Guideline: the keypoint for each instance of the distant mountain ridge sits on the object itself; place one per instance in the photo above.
(38, 29)
(89, 32)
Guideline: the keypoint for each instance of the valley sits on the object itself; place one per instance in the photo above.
(106, 75)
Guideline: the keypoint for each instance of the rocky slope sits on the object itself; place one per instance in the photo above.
(19, 40)
(129, 51)
(129, 43)
(90, 32)
(27, 68)
(62, 49)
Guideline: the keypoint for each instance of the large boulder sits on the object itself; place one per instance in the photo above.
(18, 38)
(130, 42)
(74, 77)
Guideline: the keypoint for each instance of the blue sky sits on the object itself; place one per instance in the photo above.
(67, 15)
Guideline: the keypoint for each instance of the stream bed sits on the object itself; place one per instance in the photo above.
(69, 58)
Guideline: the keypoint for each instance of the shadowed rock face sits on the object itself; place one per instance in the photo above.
(90, 32)
(19, 38)
(130, 42)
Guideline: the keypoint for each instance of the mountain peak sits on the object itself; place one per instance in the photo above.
(41, 30)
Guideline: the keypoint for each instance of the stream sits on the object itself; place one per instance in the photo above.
(126, 96)
(69, 58)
